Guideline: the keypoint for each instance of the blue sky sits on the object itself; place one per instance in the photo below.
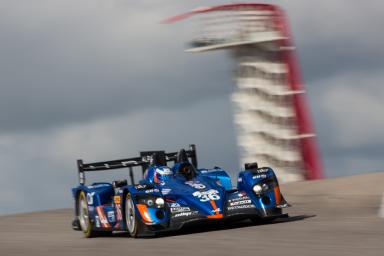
(101, 80)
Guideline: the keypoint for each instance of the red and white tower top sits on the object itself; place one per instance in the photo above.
(272, 115)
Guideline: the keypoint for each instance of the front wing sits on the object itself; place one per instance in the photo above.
(238, 206)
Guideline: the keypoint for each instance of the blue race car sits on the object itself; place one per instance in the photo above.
(167, 198)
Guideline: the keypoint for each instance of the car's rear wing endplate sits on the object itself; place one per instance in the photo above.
(145, 159)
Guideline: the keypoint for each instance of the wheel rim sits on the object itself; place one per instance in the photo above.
(130, 215)
(83, 214)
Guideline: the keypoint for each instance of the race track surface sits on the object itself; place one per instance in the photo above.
(329, 217)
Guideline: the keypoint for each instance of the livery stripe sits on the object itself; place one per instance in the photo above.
(214, 206)
(277, 195)
(144, 212)
(103, 219)
(217, 214)
(118, 212)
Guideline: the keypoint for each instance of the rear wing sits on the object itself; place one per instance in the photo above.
(145, 159)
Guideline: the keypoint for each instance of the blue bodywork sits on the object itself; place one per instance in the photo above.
(208, 196)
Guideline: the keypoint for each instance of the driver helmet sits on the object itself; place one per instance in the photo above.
(162, 174)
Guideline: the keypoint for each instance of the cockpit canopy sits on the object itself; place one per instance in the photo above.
(158, 172)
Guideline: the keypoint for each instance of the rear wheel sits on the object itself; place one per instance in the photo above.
(131, 220)
(83, 216)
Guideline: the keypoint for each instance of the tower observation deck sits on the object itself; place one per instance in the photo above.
(272, 118)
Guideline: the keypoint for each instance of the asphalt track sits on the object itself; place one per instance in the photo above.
(329, 217)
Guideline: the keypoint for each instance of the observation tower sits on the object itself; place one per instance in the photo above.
(271, 114)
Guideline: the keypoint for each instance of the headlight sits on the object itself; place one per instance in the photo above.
(257, 189)
(150, 202)
(160, 202)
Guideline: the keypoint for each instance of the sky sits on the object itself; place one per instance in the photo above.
(102, 80)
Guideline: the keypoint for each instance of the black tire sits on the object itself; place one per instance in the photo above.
(83, 216)
(132, 221)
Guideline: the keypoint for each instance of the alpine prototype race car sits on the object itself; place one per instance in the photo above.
(169, 197)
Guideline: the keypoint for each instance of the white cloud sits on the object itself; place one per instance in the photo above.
(70, 61)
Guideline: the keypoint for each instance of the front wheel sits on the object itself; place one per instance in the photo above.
(131, 219)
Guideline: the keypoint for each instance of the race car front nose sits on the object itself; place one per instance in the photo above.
(151, 216)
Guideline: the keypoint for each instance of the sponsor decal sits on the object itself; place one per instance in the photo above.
(90, 198)
(236, 199)
(97, 221)
(244, 206)
(241, 194)
(119, 215)
(185, 214)
(166, 191)
(143, 186)
(262, 170)
(240, 202)
(111, 216)
(195, 184)
(216, 211)
(243, 201)
(154, 190)
(174, 204)
(260, 176)
(117, 199)
(208, 195)
(180, 209)
(164, 171)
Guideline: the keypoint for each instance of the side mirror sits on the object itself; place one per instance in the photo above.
(119, 183)
(251, 166)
